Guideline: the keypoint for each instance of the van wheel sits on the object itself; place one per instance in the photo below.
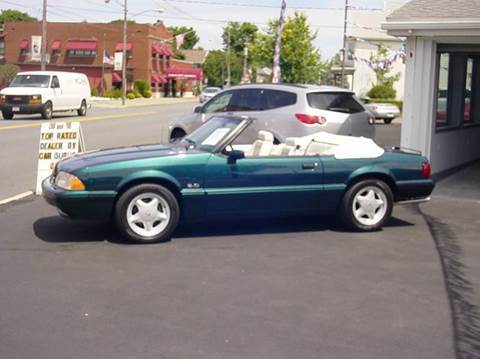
(82, 111)
(47, 111)
(7, 115)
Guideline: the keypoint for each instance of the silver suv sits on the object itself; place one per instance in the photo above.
(286, 110)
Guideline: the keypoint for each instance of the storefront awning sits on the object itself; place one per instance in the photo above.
(56, 45)
(162, 50)
(119, 46)
(158, 79)
(81, 45)
(184, 73)
(24, 44)
(116, 77)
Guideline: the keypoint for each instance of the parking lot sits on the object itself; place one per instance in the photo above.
(271, 288)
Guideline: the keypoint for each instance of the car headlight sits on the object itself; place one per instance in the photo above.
(3, 98)
(35, 99)
(69, 182)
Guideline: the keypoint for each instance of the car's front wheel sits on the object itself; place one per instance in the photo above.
(82, 111)
(7, 115)
(367, 205)
(47, 111)
(147, 213)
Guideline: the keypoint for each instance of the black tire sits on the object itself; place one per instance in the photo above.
(388, 120)
(47, 111)
(346, 211)
(82, 111)
(7, 115)
(176, 135)
(125, 200)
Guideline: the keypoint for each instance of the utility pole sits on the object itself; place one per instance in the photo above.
(245, 78)
(229, 71)
(124, 54)
(43, 51)
(278, 46)
(344, 50)
(102, 81)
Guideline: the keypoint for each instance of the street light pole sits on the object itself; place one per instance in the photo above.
(124, 54)
(344, 50)
(276, 78)
(229, 71)
(43, 51)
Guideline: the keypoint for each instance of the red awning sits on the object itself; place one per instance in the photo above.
(162, 50)
(81, 45)
(167, 51)
(24, 44)
(157, 49)
(116, 77)
(157, 79)
(184, 73)
(119, 46)
(56, 45)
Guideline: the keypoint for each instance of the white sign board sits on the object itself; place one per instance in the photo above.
(117, 61)
(58, 141)
(36, 48)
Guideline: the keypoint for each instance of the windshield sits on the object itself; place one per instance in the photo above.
(30, 81)
(212, 133)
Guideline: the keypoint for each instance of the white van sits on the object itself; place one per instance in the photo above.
(45, 92)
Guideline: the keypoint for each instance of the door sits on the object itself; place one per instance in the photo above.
(263, 185)
(57, 98)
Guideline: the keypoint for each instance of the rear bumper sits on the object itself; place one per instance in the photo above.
(95, 205)
(21, 108)
(414, 191)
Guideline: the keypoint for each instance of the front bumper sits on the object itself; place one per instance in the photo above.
(21, 108)
(96, 205)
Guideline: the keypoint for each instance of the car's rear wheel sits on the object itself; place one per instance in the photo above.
(82, 111)
(147, 213)
(367, 205)
(47, 111)
(388, 120)
(177, 135)
(7, 115)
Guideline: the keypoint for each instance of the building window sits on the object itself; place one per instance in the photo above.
(442, 90)
(2, 49)
(82, 53)
(467, 95)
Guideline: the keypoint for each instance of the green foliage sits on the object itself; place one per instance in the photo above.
(241, 34)
(398, 103)
(7, 73)
(191, 38)
(14, 15)
(385, 91)
(120, 21)
(137, 94)
(300, 61)
(141, 86)
(148, 94)
(215, 68)
(114, 93)
(94, 92)
(131, 96)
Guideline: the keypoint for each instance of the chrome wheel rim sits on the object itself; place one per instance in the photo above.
(48, 111)
(369, 205)
(148, 214)
(83, 108)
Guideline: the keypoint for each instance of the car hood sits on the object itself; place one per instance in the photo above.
(98, 157)
(22, 90)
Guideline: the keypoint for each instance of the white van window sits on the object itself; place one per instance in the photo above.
(55, 82)
(30, 81)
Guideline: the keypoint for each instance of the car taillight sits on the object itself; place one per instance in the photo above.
(310, 119)
(426, 169)
(371, 120)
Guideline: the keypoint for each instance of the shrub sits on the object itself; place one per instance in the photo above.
(382, 91)
(141, 86)
(131, 96)
(114, 93)
(137, 94)
(147, 94)
(7, 73)
(94, 92)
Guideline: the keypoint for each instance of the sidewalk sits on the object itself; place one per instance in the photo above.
(102, 102)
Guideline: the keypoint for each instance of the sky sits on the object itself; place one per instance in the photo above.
(207, 17)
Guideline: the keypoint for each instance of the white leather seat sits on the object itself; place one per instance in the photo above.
(263, 144)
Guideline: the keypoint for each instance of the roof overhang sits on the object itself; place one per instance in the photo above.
(433, 28)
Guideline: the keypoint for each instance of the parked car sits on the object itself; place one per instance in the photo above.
(208, 93)
(211, 173)
(45, 92)
(285, 110)
(383, 111)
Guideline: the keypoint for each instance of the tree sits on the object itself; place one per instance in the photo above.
(7, 73)
(215, 68)
(241, 34)
(191, 37)
(120, 21)
(382, 66)
(300, 61)
(14, 15)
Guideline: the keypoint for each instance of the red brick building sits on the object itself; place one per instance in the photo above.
(90, 48)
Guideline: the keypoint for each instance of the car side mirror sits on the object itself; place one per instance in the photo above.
(198, 109)
(235, 155)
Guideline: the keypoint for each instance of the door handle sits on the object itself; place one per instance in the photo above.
(310, 165)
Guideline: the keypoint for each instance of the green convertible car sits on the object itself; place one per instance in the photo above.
(213, 173)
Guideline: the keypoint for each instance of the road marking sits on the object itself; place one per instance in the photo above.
(78, 119)
(16, 197)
